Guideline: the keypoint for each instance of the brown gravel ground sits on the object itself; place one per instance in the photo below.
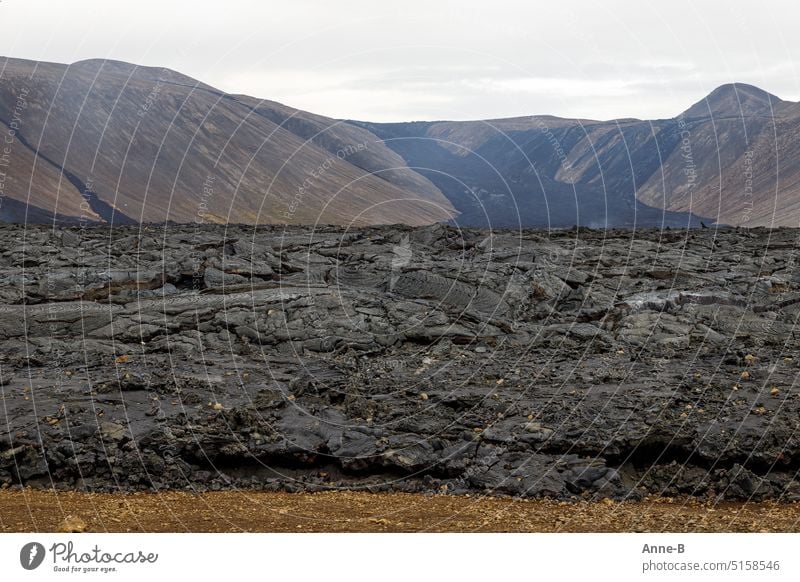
(236, 511)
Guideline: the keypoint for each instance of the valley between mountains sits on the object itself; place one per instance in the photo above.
(108, 142)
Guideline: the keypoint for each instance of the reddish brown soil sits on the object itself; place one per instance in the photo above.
(233, 511)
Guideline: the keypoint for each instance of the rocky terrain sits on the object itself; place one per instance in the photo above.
(572, 363)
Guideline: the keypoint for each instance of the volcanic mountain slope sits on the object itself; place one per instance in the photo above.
(736, 159)
(107, 141)
(719, 159)
(520, 172)
(113, 142)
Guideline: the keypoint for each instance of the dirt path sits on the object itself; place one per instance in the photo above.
(22, 511)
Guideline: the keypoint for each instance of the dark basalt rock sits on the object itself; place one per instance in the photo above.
(567, 364)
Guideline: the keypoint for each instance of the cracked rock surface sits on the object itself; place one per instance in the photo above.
(564, 364)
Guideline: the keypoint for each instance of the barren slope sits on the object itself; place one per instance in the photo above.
(144, 144)
(733, 158)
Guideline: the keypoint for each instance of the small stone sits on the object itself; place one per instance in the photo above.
(542, 432)
(379, 520)
(72, 524)
(112, 431)
(480, 350)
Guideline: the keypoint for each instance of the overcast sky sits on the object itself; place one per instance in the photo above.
(433, 59)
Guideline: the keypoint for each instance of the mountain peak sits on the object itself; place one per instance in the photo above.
(735, 100)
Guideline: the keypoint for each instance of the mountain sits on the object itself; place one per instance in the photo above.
(107, 141)
(735, 100)
(738, 160)
(537, 171)
(719, 160)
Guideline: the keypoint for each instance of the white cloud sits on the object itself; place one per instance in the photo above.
(419, 59)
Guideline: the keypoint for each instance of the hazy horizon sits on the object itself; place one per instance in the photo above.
(454, 60)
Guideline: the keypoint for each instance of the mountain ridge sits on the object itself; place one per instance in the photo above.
(145, 142)
(102, 140)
